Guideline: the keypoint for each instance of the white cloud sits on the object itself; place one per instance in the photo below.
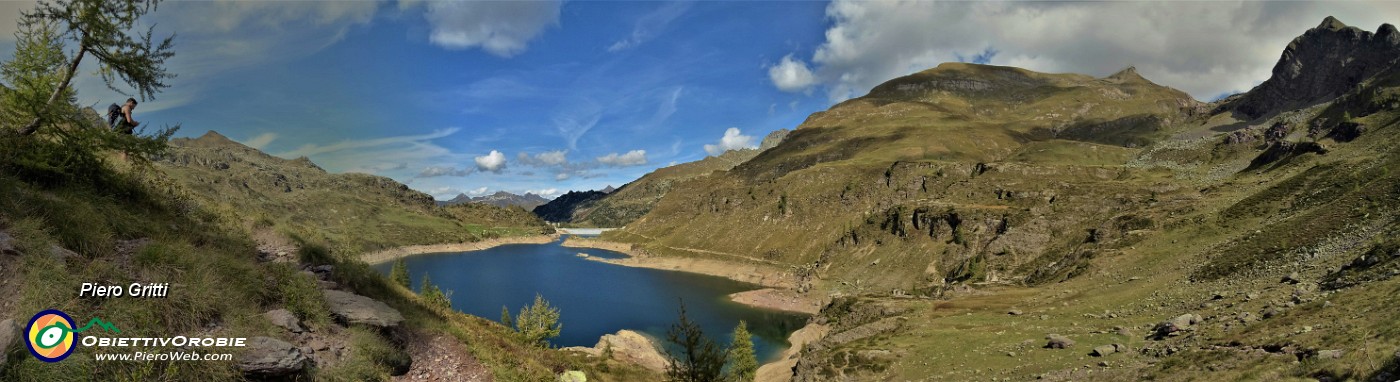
(313, 149)
(444, 193)
(547, 158)
(502, 28)
(436, 171)
(548, 193)
(791, 75)
(492, 162)
(260, 141)
(1203, 48)
(631, 158)
(562, 176)
(477, 191)
(733, 139)
(650, 25)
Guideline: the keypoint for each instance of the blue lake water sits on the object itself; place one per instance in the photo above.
(596, 298)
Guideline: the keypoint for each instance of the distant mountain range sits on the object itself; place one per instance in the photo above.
(499, 199)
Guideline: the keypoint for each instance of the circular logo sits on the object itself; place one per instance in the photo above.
(50, 336)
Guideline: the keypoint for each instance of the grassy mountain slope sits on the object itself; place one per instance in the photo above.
(633, 200)
(359, 211)
(958, 162)
(1092, 208)
(196, 218)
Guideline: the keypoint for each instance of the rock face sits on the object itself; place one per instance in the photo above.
(630, 347)
(1320, 65)
(271, 357)
(284, 319)
(357, 309)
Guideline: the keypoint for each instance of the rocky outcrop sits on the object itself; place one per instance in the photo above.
(356, 309)
(1320, 65)
(271, 357)
(629, 347)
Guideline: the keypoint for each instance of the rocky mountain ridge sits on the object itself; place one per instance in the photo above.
(1322, 64)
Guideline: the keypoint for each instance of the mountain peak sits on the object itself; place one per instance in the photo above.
(210, 139)
(1321, 65)
(213, 138)
(1128, 74)
(1331, 23)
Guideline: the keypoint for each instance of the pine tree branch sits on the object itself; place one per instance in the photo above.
(67, 77)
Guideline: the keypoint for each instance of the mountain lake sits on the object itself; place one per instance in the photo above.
(596, 298)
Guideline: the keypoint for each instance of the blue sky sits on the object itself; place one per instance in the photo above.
(546, 97)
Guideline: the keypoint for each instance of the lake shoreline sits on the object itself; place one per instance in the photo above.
(780, 370)
(391, 254)
(778, 292)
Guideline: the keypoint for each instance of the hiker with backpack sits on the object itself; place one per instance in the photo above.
(119, 117)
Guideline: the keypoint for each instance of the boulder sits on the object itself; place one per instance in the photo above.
(61, 253)
(8, 333)
(1329, 354)
(271, 357)
(1014, 312)
(573, 376)
(1104, 350)
(285, 319)
(1056, 341)
(1175, 326)
(7, 243)
(357, 309)
(1291, 278)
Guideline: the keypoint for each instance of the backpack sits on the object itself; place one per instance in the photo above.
(114, 112)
